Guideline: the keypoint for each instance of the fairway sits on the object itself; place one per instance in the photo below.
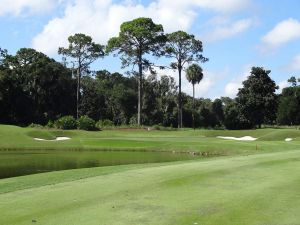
(154, 112)
(224, 182)
(257, 189)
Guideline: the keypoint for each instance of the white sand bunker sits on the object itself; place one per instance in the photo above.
(246, 138)
(56, 139)
(288, 139)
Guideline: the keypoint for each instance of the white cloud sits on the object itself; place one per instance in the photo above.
(295, 64)
(282, 84)
(223, 6)
(21, 7)
(284, 32)
(227, 30)
(232, 88)
(202, 90)
(101, 19)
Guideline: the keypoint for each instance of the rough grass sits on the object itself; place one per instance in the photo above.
(256, 190)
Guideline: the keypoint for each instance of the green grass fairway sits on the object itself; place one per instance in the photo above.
(249, 183)
(258, 189)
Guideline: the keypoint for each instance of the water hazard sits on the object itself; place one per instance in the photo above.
(18, 163)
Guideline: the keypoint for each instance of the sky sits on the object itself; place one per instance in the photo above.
(236, 34)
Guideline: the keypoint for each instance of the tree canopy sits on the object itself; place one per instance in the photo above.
(82, 51)
(183, 48)
(257, 99)
(194, 75)
(136, 39)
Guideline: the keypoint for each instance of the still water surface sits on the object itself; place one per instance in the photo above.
(18, 163)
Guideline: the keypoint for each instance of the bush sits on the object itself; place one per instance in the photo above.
(50, 124)
(104, 124)
(160, 127)
(86, 123)
(66, 123)
(34, 125)
(133, 121)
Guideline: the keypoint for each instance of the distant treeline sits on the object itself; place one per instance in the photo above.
(37, 89)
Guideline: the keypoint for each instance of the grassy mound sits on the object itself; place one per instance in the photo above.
(203, 141)
(43, 134)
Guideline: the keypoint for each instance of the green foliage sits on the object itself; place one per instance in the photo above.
(3, 55)
(289, 106)
(106, 123)
(136, 39)
(159, 101)
(34, 125)
(234, 119)
(218, 110)
(86, 123)
(34, 89)
(194, 74)
(257, 100)
(50, 124)
(293, 81)
(133, 121)
(162, 128)
(184, 49)
(82, 51)
(66, 123)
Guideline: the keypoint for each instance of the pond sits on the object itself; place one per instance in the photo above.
(18, 163)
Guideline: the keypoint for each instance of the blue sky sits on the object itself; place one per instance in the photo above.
(236, 34)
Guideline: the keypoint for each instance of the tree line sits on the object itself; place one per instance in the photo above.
(36, 89)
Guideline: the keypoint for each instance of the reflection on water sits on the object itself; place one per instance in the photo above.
(18, 163)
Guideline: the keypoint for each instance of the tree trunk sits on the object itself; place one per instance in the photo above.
(179, 99)
(194, 106)
(78, 91)
(140, 81)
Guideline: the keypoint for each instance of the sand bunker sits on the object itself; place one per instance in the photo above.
(288, 139)
(246, 138)
(56, 139)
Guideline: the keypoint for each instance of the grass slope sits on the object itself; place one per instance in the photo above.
(205, 141)
(257, 189)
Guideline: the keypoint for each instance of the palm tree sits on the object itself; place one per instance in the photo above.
(194, 75)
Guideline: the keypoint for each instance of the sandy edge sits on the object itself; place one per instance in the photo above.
(56, 139)
(246, 138)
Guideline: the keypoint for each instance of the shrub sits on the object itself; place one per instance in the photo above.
(50, 124)
(34, 125)
(106, 123)
(160, 127)
(133, 121)
(86, 123)
(66, 123)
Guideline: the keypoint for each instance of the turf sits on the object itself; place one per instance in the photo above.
(253, 183)
(256, 189)
(201, 141)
